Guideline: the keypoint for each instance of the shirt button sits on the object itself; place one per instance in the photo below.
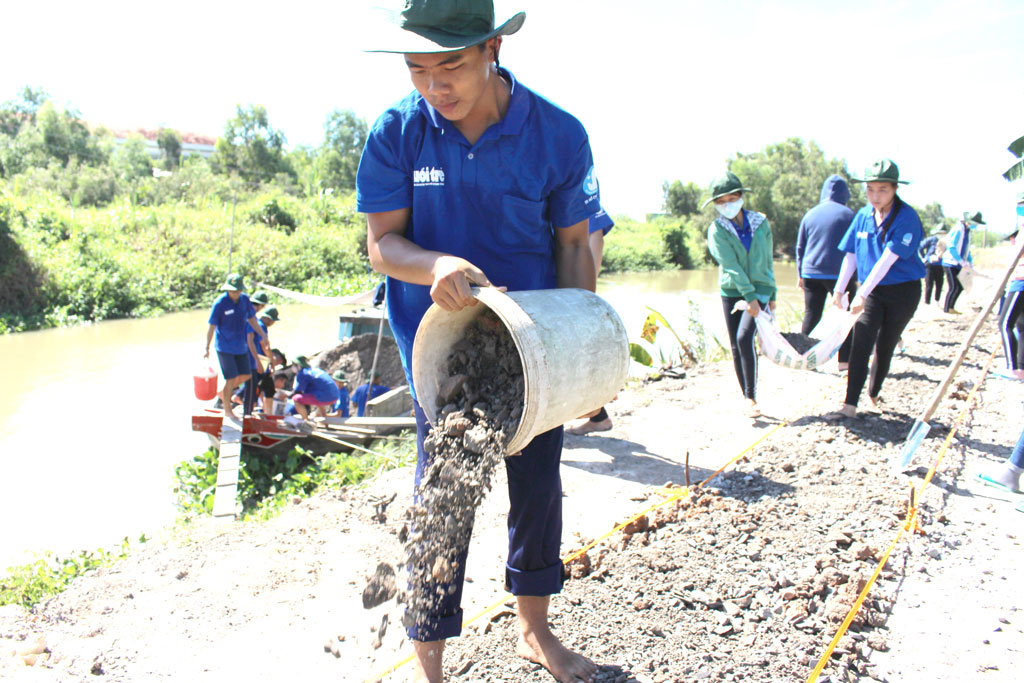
(470, 155)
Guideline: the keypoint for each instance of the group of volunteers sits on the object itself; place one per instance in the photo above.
(239, 329)
(475, 179)
(870, 261)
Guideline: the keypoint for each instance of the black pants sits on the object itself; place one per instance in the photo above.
(1011, 320)
(887, 311)
(816, 294)
(741, 339)
(933, 280)
(953, 280)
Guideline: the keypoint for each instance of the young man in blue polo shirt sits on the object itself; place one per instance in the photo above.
(473, 179)
(368, 392)
(230, 317)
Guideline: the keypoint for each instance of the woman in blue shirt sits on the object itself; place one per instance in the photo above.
(957, 257)
(882, 248)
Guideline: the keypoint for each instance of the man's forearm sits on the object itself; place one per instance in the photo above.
(574, 264)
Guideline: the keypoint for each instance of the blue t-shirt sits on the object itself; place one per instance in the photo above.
(601, 221)
(343, 400)
(495, 203)
(360, 399)
(256, 339)
(903, 238)
(232, 321)
(317, 383)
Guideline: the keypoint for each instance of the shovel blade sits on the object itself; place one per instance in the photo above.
(914, 439)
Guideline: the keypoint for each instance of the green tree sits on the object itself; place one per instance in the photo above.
(682, 200)
(344, 137)
(251, 147)
(785, 181)
(933, 217)
(22, 110)
(131, 160)
(169, 142)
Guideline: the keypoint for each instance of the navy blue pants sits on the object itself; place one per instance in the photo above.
(534, 565)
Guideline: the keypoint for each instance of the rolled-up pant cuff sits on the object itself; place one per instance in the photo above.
(538, 582)
(437, 628)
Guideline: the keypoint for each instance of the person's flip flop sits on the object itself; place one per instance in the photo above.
(989, 481)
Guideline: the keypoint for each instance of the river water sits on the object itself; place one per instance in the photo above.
(94, 418)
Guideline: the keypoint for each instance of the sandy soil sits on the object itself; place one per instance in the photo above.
(746, 581)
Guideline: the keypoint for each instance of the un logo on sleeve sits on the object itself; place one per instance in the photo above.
(590, 182)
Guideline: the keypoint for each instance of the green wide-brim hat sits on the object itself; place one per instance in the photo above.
(723, 185)
(260, 297)
(339, 376)
(882, 171)
(302, 361)
(270, 312)
(973, 217)
(428, 26)
(233, 283)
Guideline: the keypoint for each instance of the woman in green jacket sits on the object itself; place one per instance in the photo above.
(741, 243)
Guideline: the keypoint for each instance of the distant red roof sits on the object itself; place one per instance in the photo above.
(151, 134)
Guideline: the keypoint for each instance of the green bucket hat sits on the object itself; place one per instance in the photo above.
(270, 312)
(723, 185)
(339, 376)
(302, 361)
(973, 217)
(426, 26)
(233, 283)
(883, 170)
(260, 297)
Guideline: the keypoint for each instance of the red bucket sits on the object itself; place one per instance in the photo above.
(205, 383)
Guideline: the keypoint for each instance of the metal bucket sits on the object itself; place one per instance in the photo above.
(571, 342)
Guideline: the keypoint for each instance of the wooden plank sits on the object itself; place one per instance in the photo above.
(398, 401)
(228, 461)
(404, 422)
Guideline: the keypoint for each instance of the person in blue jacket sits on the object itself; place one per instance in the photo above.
(230, 317)
(341, 407)
(313, 388)
(600, 225)
(957, 257)
(475, 179)
(881, 247)
(931, 252)
(368, 392)
(818, 258)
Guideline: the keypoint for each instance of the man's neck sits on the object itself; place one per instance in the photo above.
(489, 110)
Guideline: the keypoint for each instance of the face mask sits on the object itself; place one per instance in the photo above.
(1020, 209)
(730, 209)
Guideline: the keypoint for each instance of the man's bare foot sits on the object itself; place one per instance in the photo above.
(588, 426)
(545, 649)
(427, 664)
(846, 411)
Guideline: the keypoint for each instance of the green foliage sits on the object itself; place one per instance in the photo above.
(682, 200)
(633, 246)
(269, 482)
(131, 160)
(169, 142)
(252, 147)
(1016, 172)
(696, 345)
(344, 137)
(28, 584)
(274, 215)
(934, 218)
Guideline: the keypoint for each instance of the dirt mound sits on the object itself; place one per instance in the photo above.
(354, 357)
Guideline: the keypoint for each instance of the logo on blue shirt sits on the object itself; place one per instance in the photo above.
(590, 182)
(907, 239)
(428, 176)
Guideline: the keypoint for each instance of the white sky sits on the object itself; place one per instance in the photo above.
(667, 89)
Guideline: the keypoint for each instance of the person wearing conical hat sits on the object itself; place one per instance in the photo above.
(741, 243)
(230, 317)
(882, 249)
(473, 179)
(957, 257)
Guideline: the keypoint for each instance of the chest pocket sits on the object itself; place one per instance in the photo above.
(524, 228)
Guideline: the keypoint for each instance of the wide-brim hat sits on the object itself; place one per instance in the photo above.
(260, 297)
(339, 376)
(302, 361)
(233, 283)
(725, 184)
(428, 26)
(973, 217)
(882, 171)
(270, 312)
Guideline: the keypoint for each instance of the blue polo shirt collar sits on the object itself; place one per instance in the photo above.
(511, 124)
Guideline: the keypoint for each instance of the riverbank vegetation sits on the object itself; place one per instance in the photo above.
(95, 225)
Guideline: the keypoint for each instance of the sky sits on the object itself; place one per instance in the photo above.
(667, 89)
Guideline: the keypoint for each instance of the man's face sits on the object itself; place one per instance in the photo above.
(234, 295)
(881, 194)
(452, 82)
